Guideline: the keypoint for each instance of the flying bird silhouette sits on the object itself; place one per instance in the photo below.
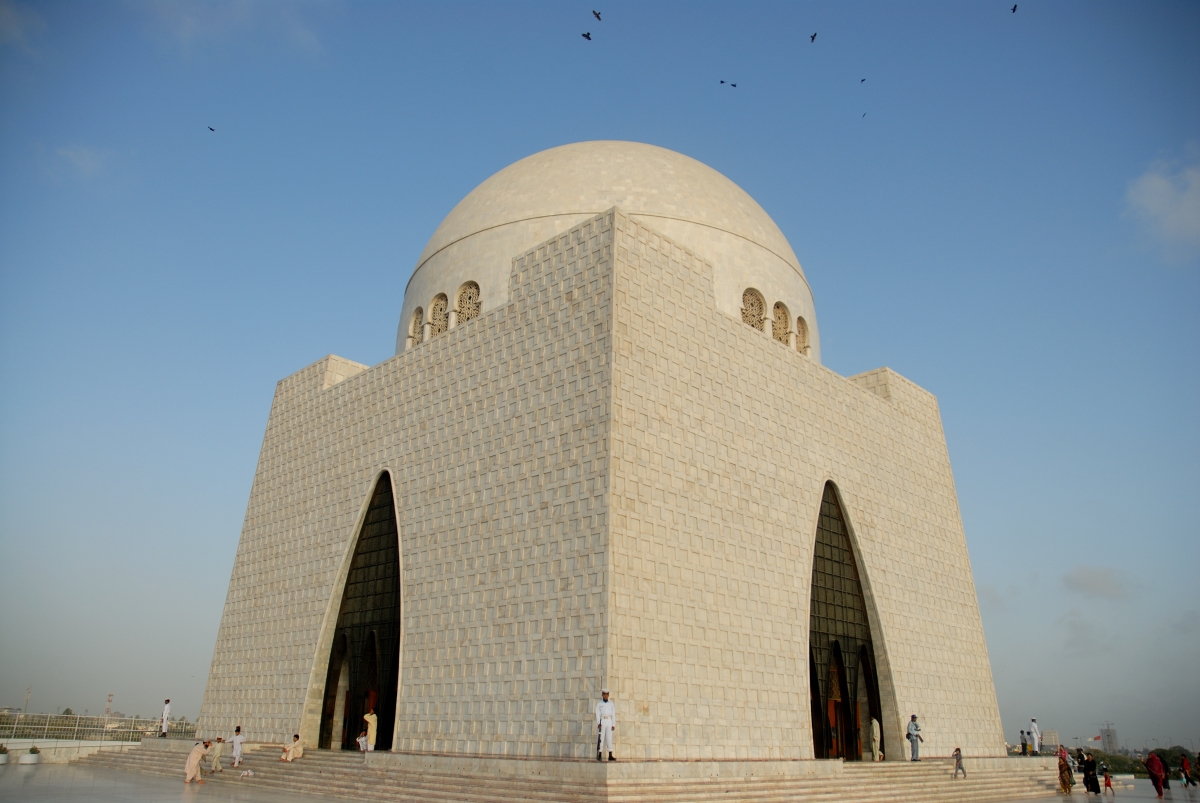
(864, 114)
(812, 38)
(210, 128)
(596, 14)
(863, 81)
(722, 82)
(588, 36)
(734, 86)
(1014, 9)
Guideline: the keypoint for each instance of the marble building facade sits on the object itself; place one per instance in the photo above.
(608, 449)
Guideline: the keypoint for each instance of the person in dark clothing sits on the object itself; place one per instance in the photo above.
(1090, 782)
(1166, 765)
(1024, 744)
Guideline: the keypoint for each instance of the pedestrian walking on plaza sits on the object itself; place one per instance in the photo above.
(1024, 744)
(914, 738)
(192, 769)
(237, 741)
(162, 732)
(606, 723)
(874, 739)
(1166, 765)
(214, 757)
(1154, 766)
(1090, 782)
(1108, 787)
(372, 727)
(1035, 737)
(958, 765)
(1066, 779)
(1185, 768)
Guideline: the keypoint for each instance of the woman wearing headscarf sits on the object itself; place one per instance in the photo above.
(1154, 766)
(1090, 782)
(1065, 778)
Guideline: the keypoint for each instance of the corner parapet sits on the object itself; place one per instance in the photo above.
(324, 374)
(892, 387)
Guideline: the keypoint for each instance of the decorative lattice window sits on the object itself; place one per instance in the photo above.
(417, 330)
(754, 309)
(439, 315)
(468, 305)
(781, 323)
(801, 336)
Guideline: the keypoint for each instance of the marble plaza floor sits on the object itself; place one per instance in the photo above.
(57, 783)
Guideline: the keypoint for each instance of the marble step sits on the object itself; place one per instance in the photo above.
(333, 775)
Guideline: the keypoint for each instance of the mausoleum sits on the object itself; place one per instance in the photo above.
(605, 453)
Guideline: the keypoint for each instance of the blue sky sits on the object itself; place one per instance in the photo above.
(1014, 224)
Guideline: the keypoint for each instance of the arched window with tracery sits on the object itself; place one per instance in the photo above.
(801, 336)
(439, 315)
(754, 309)
(467, 305)
(781, 323)
(417, 330)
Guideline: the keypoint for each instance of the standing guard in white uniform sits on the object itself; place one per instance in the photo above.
(606, 723)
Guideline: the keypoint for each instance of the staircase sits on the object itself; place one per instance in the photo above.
(345, 774)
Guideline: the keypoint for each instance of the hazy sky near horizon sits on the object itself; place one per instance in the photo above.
(1007, 211)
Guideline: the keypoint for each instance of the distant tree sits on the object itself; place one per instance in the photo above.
(67, 712)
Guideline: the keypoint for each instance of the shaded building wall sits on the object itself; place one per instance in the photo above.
(722, 441)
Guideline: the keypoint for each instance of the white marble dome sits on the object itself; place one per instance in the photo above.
(542, 195)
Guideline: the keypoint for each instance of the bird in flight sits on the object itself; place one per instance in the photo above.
(864, 114)
(210, 128)
(1014, 9)
(596, 14)
(812, 38)
(863, 81)
(734, 86)
(588, 36)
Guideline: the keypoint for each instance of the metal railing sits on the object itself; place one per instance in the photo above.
(84, 728)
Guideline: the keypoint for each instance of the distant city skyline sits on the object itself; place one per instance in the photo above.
(1014, 224)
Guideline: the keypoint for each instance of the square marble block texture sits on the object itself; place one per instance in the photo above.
(604, 482)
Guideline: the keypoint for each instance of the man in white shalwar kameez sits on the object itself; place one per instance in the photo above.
(1035, 737)
(192, 768)
(162, 733)
(292, 751)
(606, 723)
(237, 741)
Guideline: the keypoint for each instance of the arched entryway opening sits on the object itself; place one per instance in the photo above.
(843, 686)
(365, 659)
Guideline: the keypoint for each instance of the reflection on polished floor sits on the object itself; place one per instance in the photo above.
(59, 783)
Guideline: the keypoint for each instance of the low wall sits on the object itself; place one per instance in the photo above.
(186, 745)
(61, 751)
(600, 771)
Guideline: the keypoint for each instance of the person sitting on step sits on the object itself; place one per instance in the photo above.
(292, 751)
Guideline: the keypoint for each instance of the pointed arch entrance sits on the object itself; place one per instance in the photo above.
(365, 659)
(843, 686)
